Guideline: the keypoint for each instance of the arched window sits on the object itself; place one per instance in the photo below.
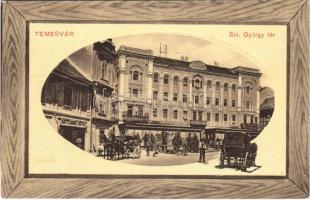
(175, 80)
(233, 88)
(155, 78)
(209, 84)
(248, 89)
(225, 87)
(166, 79)
(197, 82)
(185, 81)
(217, 85)
(135, 75)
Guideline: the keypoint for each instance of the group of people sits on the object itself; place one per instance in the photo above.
(153, 143)
(112, 147)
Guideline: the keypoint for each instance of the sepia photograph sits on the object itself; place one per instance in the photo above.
(169, 100)
(155, 99)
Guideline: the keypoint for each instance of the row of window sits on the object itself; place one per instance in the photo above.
(134, 92)
(196, 99)
(196, 83)
(71, 100)
(136, 75)
(248, 105)
(197, 115)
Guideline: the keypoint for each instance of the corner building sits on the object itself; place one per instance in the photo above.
(157, 93)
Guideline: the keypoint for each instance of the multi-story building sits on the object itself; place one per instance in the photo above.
(158, 93)
(66, 102)
(133, 90)
(77, 102)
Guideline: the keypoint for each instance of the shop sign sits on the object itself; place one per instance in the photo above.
(70, 122)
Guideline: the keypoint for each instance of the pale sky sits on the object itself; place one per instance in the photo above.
(194, 48)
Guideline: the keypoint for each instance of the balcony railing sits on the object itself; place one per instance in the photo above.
(198, 122)
(250, 127)
(127, 117)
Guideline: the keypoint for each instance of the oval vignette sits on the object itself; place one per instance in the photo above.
(155, 99)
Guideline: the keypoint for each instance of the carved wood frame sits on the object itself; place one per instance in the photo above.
(16, 15)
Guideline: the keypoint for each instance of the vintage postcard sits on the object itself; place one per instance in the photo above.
(157, 99)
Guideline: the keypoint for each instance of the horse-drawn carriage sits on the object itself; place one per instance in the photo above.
(120, 148)
(237, 151)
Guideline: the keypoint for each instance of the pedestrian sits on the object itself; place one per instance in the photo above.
(202, 151)
(147, 144)
(102, 144)
(111, 145)
(184, 145)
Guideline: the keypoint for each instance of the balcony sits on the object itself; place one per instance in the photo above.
(250, 127)
(198, 122)
(127, 117)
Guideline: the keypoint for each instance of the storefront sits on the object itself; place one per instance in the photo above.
(74, 131)
(75, 135)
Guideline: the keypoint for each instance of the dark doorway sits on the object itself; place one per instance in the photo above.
(75, 135)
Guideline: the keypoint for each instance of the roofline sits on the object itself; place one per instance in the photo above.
(71, 62)
(237, 69)
(76, 80)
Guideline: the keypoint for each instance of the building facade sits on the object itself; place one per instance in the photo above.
(131, 90)
(157, 93)
(77, 104)
(66, 103)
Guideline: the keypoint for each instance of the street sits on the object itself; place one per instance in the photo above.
(163, 159)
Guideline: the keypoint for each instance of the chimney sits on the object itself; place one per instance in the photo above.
(184, 58)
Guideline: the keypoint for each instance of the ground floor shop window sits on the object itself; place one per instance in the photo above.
(75, 135)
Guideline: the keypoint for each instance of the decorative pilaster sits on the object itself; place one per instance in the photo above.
(180, 96)
(150, 81)
(239, 93)
(229, 96)
(213, 94)
(170, 94)
(190, 100)
(221, 96)
(257, 104)
(122, 83)
(204, 96)
(161, 88)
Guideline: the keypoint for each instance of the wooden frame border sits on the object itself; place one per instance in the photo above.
(16, 15)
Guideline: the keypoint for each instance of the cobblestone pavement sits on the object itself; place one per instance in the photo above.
(163, 159)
